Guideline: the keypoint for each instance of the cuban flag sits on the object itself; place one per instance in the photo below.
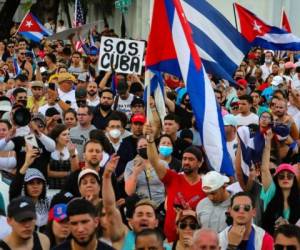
(261, 34)
(171, 49)
(216, 39)
(285, 24)
(17, 67)
(154, 85)
(32, 28)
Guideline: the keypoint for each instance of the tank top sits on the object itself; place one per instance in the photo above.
(36, 243)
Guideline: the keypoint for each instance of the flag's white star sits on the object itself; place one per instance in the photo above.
(29, 24)
(257, 27)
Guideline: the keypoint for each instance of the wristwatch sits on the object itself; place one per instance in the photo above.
(57, 99)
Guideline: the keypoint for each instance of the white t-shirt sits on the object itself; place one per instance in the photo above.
(125, 105)
(94, 102)
(247, 120)
(44, 108)
(266, 71)
(68, 97)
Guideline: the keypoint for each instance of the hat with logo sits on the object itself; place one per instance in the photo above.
(58, 212)
(86, 171)
(21, 208)
(33, 173)
(213, 180)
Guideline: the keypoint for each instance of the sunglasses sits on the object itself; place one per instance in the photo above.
(240, 88)
(22, 54)
(237, 208)
(192, 226)
(10, 47)
(282, 176)
(282, 247)
(235, 108)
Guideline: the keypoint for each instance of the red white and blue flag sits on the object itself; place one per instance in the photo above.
(79, 20)
(285, 24)
(171, 49)
(266, 36)
(32, 28)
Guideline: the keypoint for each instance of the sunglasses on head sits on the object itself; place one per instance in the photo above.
(184, 225)
(282, 247)
(282, 176)
(237, 208)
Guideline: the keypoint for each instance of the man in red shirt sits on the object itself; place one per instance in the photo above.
(184, 190)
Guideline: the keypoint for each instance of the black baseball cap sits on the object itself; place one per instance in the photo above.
(21, 208)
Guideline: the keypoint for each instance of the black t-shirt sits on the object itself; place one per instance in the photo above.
(66, 245)
(185, 117)
(179, 146)
(99, 121)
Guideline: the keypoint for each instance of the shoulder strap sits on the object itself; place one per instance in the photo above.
(36, 242)
(116, 102)
(4, 246)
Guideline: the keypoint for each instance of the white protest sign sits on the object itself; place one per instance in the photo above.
(125, 55)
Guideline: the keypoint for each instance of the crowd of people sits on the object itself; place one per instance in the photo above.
(88, 169)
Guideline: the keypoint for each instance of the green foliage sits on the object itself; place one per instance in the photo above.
(27, 5)
(123, 5)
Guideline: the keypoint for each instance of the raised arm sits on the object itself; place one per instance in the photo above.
(152, 153)
(117, 228)
(266, 176)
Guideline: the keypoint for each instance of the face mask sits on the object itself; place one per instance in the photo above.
(105, 107)
(281, 65)
(1, 78)
(143, 153)
(165, 150)
(267, 60)
(115, 133)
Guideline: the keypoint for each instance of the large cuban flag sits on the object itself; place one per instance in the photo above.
(171, 49)
(32, 28)
(258, 33)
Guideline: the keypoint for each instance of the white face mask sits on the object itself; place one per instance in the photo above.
(115, 133)
(281, 65)
(268, 60)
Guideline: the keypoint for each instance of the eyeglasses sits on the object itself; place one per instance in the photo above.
(282, 176)
(282, 247)
(22, 54)
(192, 226)
(235, 108)
(240, 88)
(237, 208)
(10, 47)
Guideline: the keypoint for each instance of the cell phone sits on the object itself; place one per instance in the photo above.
(52, 85)
(42, 64)
(31, 140)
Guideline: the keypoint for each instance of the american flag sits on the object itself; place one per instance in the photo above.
(78, 21)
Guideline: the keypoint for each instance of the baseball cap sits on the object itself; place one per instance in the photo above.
(37, 84)
(184, 214)
(213, 180)
(5, 105)
(88, 171)
(21, 208)
(40, 117)
(80, 93)
(285, 167)
(65, 77)
(242, 82)
(277, 80)
(137, 101)
(138, 118)
(230, 120)
(51, 112)
(33, 173)
(93, 51)
(58, 212)
(62, 197)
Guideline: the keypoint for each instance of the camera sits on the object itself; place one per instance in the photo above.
(22, 117)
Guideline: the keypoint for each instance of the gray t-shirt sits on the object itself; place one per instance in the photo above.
(157, 188)
(79, 137)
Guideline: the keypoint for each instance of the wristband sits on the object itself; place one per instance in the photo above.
(150, 141)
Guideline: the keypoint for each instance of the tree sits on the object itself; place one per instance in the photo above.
(46, 10)
(6, 17)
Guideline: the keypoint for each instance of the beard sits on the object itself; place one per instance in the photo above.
(85, 242)
(187, 170)
(93, 164)
(92, 93)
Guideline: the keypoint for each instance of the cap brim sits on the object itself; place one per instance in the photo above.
(34, 177)
(26, 215)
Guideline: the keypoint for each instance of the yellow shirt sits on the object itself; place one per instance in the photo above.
(31, 101)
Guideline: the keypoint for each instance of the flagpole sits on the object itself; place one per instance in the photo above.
(75, 18)
(236, 26)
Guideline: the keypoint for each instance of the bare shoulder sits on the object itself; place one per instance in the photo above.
(44, 241)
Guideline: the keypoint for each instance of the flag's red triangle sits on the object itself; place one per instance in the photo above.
(29, 24)
(160, 41)
(251, 26)
(285, 24)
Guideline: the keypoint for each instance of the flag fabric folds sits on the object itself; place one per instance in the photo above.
(32, 28)
(261, 34)
(171, 49)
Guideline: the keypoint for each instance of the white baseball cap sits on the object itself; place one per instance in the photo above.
(213, 180)
(277, 80)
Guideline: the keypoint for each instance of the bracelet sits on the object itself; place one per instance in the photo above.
(150, 141)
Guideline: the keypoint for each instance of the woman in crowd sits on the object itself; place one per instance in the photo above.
(70, 118)
(186, 226)
(89, 185)
(32, 183)
(280, 193)
(63, 160)
(165, 149)
(140, 177)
